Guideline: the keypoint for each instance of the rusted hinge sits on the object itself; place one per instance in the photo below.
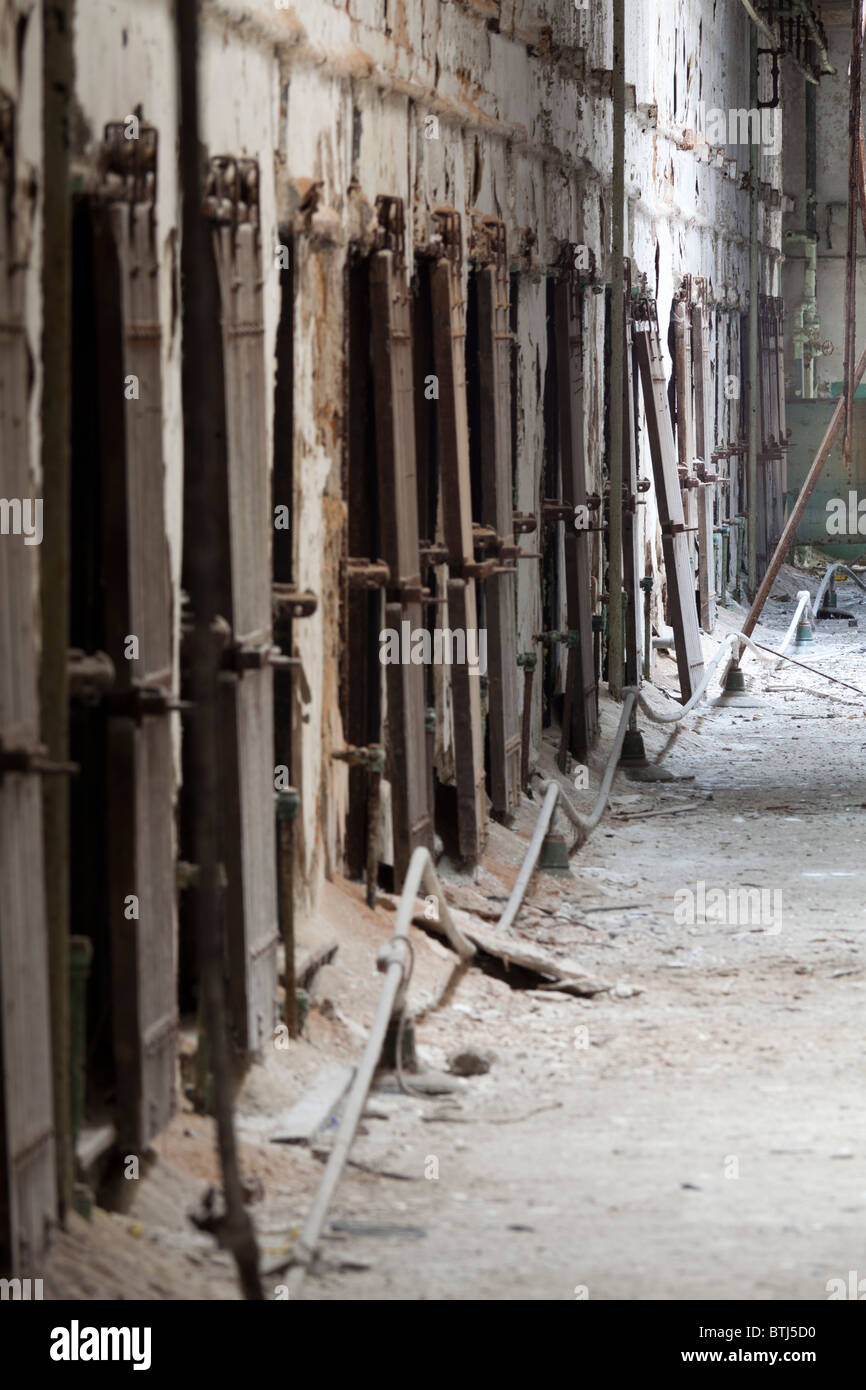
(524, 522)
(290, 602)
(249, 655)
(362, 573)
(688, 480)
(371, 757)
(487, 244)
(554, 510)
(432, 553)
(89, 676)
(141, 700)
(20, 752)
(487, 539)
(446, 223)
(569, 637)
(128, 160)
(475, 569)
(391, 232)
(232, 190)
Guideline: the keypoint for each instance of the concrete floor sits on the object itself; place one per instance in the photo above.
(695, 1130)
(704, 1136)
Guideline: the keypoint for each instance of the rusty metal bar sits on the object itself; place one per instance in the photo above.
(615, 650)
(851, 250)
(235, 1231)
(754, 293)
(529, 661)
(58, 77)
(394, 960)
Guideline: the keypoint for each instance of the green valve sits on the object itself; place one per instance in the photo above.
(554, 855)
(569, 638)
(302, 999)
(288, 803)
(804, 635)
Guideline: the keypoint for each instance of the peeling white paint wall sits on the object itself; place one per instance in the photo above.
(339, 91)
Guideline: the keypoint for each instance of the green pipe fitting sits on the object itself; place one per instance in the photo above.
(288, 803)
(726, 562)
(647, 584)
(830, 598)
(740, 523)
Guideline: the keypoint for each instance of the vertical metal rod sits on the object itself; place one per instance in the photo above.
(754, 293)
(430, 733)
(528, 661)
(374, 790)
(58, 79)
(615, 652)
(647, 586)
(80, 955)
(236, 1231)
(851, 249)
(285, 851)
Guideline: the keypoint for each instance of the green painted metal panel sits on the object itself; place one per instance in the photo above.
(831, 518)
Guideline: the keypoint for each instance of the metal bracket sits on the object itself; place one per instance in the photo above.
(290, 602)
(19, 752)
(141, 700)
(362, 573)
(371, 757)
(487, 245)
(570, 638)
(391, 232)
(446, 223)
(128, 167)
(232, 190)
(432, 553)
(552, 510)
(90, 676)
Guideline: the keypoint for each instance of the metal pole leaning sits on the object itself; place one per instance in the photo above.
(394, 960)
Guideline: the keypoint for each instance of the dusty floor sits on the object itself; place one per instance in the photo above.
(697, 1130)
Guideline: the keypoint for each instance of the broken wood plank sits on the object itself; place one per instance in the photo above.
(456, 493)
(706, 493)
(302, 1122)
(678, 569)
(310, 961)
(580, 713)
(513, 952)
(497, 512)
(630, 539)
